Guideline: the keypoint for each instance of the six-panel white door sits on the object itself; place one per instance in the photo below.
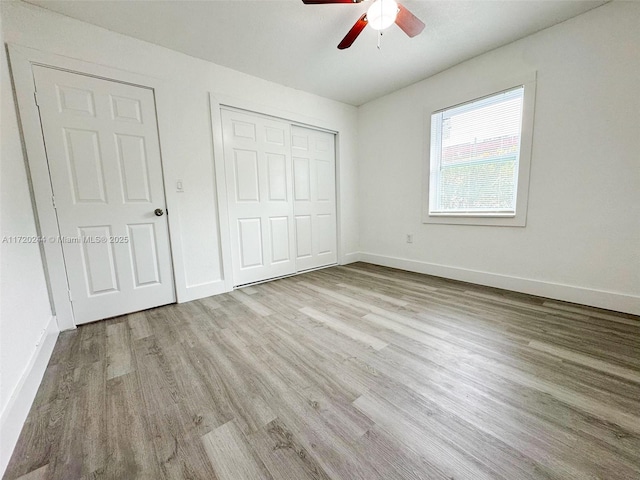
(102, 146)
(257, 153)
(314, 193)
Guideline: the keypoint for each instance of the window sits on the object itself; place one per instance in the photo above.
(478, 159)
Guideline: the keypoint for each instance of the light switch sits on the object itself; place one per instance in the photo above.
(179, 186)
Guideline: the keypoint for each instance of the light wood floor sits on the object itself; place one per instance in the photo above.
(357, 372)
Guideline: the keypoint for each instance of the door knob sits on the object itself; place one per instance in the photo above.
(159, 212)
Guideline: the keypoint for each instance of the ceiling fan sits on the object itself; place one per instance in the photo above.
(380, 15)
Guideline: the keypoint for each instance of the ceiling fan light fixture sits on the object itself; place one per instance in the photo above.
(382, 14)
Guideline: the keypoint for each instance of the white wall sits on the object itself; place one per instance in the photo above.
(582, 239)
(24, 301)
(25, 312)
(188, 147)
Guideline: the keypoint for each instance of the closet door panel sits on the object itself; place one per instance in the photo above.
(258, 169)
(314, 165)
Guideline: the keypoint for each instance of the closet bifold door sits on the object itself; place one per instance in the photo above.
(314, 193)
(257, 155)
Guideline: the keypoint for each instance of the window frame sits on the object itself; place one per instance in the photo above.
(519, 219)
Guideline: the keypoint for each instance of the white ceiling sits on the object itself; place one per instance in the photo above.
(294, 44)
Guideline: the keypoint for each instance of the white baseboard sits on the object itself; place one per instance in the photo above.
(15, 413)
(350, 258)
(596, 298)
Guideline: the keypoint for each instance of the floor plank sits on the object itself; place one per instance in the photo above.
(230, 455)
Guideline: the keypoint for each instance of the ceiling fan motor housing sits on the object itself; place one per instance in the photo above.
(382, 14)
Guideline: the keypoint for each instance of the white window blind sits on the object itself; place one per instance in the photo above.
(475, 149)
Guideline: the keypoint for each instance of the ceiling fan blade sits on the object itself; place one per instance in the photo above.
(356, 30)
(320, 2)
(408, 22)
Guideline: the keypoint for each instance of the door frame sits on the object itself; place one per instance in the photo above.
(21, 61)
(217, 102)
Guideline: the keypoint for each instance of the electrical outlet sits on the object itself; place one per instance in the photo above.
(409, 238)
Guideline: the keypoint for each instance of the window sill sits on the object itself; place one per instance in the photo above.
(472, 215)
(489, 219)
